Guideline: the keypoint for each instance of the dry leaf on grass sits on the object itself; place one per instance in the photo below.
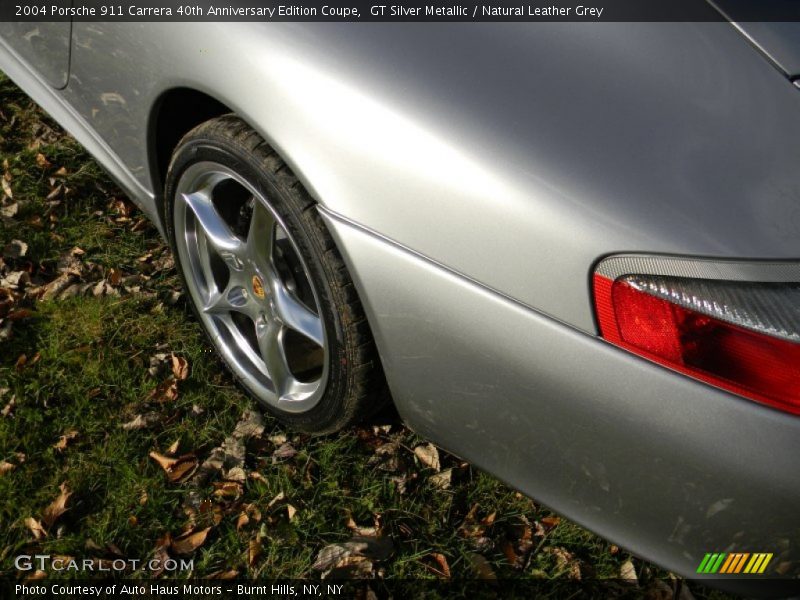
(483, 569)
(160, 554)
(142, 422)
(442, 480)
(37, 575)
(285, 451)
(9, 408)
(35, 528)
(65, 439)
(254, 551)
(442, 568)
(42, 161)
(223, 575)
(291, 511)
(377, 548)
(15, 249)
(177, 469)
(6, 186)
(165, 392)
(173, 449)
(58, 507)
(428, 455)
(180, 368)
(627, 572)
(6, 467)
(189, 542)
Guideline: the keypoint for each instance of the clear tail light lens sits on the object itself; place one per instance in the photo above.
(740, 336)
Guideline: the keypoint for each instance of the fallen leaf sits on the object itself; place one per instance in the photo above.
(364, 531)
(254, 551)
(443, 569)
(6, 186)
(160, 554)
(15, 249)
(180, 368)
(142, 422)
(353, 567)
(291, 511)
(42, 161)
(173, 449)
(65, 439)
(35, 528)
(482, 567)
(279, 497)
(6, 467)
(177, 469)
(224, 575)
(550, 522)
(442, 480)
(627, 572)
(9, 408)
(62, 172)
(227, 489)
(285, 451)
(250, 425)
(236, 474)
(242, 520)
(165, 392)
(428, 455)
(58, 507)
(9, 211)
(189, 542)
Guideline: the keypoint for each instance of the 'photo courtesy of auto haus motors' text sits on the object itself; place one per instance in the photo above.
(480, 299)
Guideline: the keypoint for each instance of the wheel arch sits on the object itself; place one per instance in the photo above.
(174, 113)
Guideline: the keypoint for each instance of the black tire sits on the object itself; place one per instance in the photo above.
(355, 386)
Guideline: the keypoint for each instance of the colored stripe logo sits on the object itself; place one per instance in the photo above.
(734, 563)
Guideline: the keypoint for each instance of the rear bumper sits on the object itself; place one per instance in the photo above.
(665, 466)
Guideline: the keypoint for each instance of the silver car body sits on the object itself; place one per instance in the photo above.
(473, 176)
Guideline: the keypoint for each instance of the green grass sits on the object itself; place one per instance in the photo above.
(91, 375)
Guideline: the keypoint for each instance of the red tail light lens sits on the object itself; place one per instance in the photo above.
(662, 327)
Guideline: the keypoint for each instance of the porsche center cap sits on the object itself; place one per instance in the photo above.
(258, 287)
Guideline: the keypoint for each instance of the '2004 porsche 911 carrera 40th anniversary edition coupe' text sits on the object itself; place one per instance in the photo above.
(569, 251)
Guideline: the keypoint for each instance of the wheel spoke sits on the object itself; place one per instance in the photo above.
(261, 236)
(234, 298)
(216, 231)
(294, 313)
(270, 344)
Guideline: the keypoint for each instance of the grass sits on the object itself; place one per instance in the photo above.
(86, 371)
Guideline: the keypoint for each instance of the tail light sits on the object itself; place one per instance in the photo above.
(741, 336)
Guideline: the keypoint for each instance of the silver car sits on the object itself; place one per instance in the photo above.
(570, 251)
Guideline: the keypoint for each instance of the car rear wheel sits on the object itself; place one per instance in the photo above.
(266, 281)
